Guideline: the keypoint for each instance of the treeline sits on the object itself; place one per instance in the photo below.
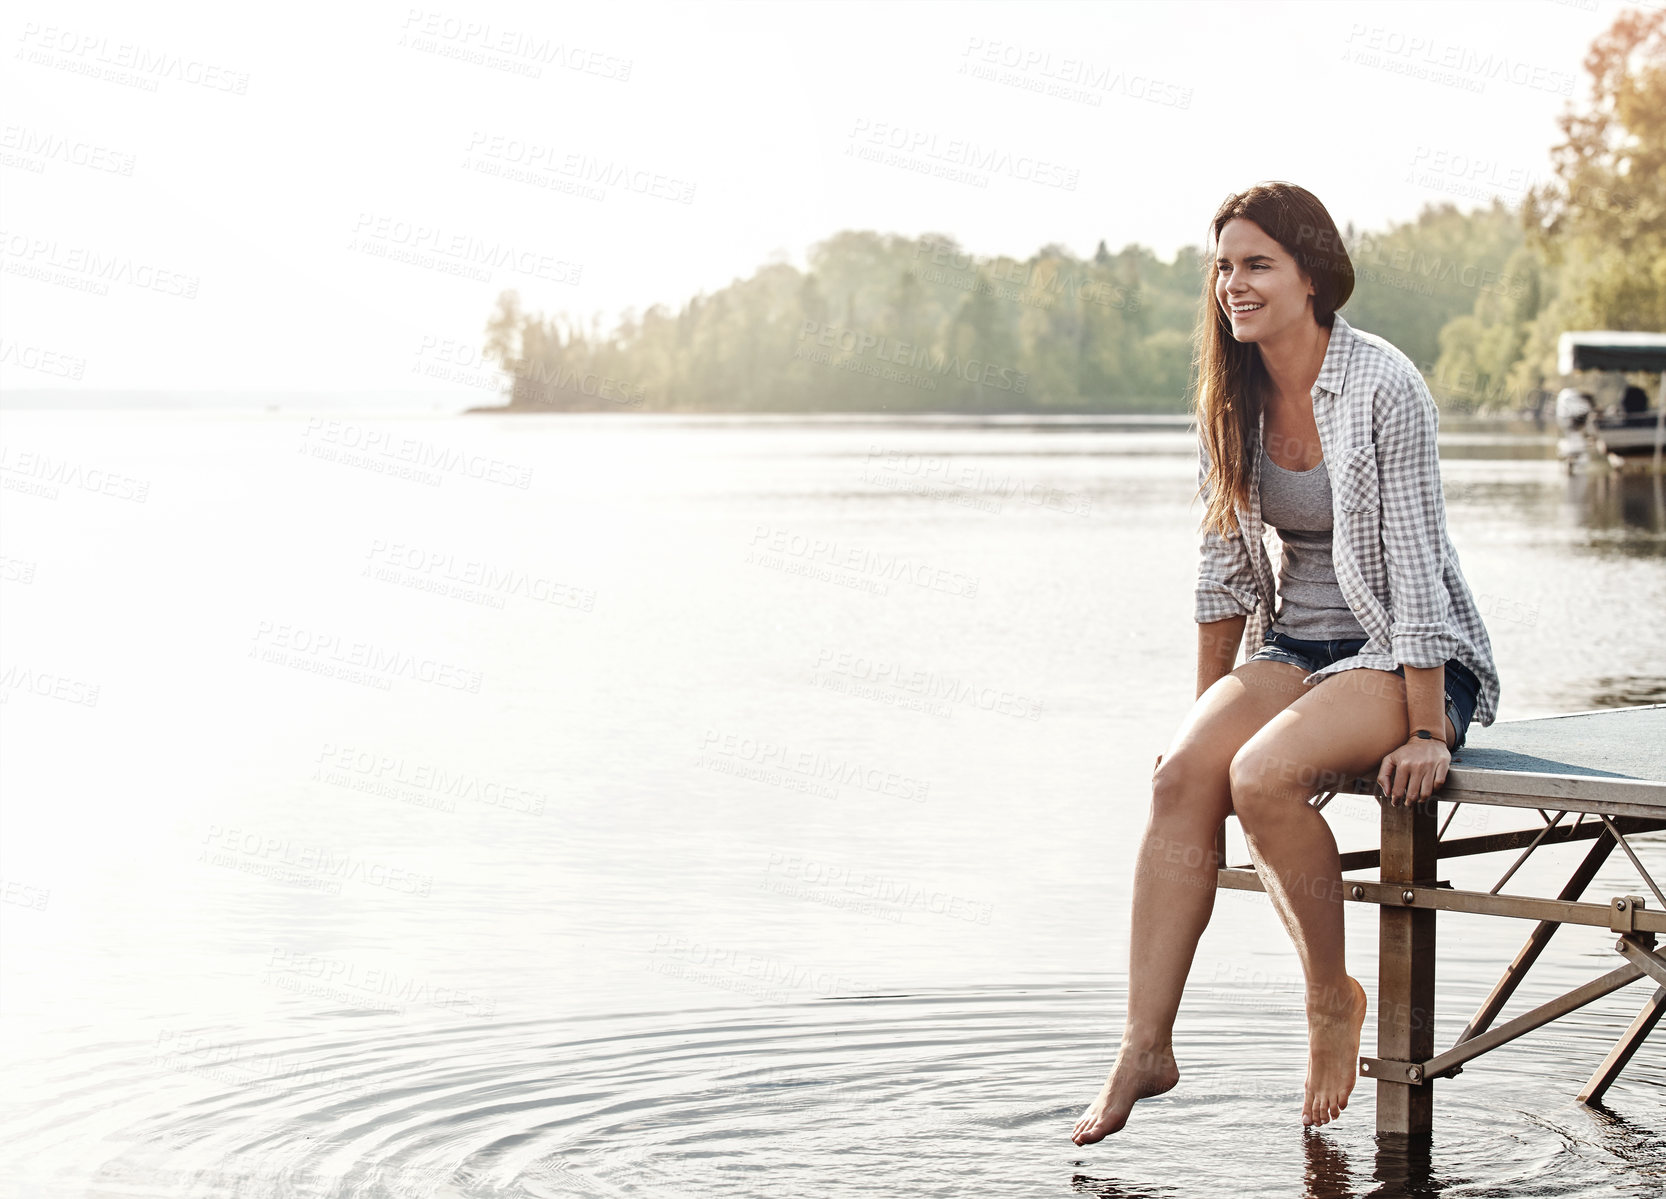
(888, 323)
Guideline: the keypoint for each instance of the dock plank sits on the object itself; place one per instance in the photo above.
(1611, 761)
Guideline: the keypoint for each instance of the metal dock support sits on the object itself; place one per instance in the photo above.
(1608, 770)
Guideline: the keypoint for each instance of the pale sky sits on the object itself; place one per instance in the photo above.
(247, 185)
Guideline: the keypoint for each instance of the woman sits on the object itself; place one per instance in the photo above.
(1372, 656)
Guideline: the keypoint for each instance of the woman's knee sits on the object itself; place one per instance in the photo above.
(1262, 774)
(1190, 785)
(1250, 778)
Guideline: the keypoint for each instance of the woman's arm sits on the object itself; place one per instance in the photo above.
(1413, 526)
(1217, 650)
(1414, 552)
(1426, 700)
(1225, 594)
(1225, 581)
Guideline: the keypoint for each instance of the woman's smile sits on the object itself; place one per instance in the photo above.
(1260, 286)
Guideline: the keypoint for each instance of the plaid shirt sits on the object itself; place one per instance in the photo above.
(1394, 562)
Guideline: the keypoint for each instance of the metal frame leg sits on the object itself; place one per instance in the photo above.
(1624, 1048)
(1517, 970)
(1406, 969)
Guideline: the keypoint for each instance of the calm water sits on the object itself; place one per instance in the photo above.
(525, 807)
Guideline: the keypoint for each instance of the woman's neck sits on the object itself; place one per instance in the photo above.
(1293, 359)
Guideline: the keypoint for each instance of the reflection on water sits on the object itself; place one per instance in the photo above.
(1630, 504)
(738, 808)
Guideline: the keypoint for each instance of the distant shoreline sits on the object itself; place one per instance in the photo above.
(453, 404)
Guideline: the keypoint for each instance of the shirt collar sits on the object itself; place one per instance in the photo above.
(1335, 367)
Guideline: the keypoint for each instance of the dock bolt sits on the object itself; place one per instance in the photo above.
(1415, 1073)
(1407, 896)
(1359, 892)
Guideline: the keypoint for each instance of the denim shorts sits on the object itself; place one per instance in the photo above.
(1463, 689)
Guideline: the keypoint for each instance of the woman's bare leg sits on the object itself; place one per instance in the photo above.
(1341, 729)
(1174, 879)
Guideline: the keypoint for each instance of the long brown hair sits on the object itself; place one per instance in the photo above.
(1231, 379)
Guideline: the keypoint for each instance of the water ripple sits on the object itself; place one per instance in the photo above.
(937, 1093)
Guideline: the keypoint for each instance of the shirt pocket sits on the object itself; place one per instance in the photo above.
(1354, 480)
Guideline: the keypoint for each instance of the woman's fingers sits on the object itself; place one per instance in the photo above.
(1410, 781)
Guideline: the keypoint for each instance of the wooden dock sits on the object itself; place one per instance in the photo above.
(1607, 771)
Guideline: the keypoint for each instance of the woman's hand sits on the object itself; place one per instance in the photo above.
(1414, 772)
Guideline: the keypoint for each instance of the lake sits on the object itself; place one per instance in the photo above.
(621, 805)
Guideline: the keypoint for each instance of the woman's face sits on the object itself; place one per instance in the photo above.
(1258, 285)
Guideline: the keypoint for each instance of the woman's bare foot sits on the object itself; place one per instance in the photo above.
(1333, 1030)
(1138, 1074)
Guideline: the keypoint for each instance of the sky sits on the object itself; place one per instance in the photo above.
(331, 197)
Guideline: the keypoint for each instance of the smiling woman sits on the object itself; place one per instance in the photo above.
(1329, 434)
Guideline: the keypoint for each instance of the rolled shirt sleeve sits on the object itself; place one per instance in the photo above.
(1414, 525)
(1225, 581)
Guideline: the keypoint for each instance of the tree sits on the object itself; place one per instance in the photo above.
(1600, 224)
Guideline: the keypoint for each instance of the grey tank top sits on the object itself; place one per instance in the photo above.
(1298, 504)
